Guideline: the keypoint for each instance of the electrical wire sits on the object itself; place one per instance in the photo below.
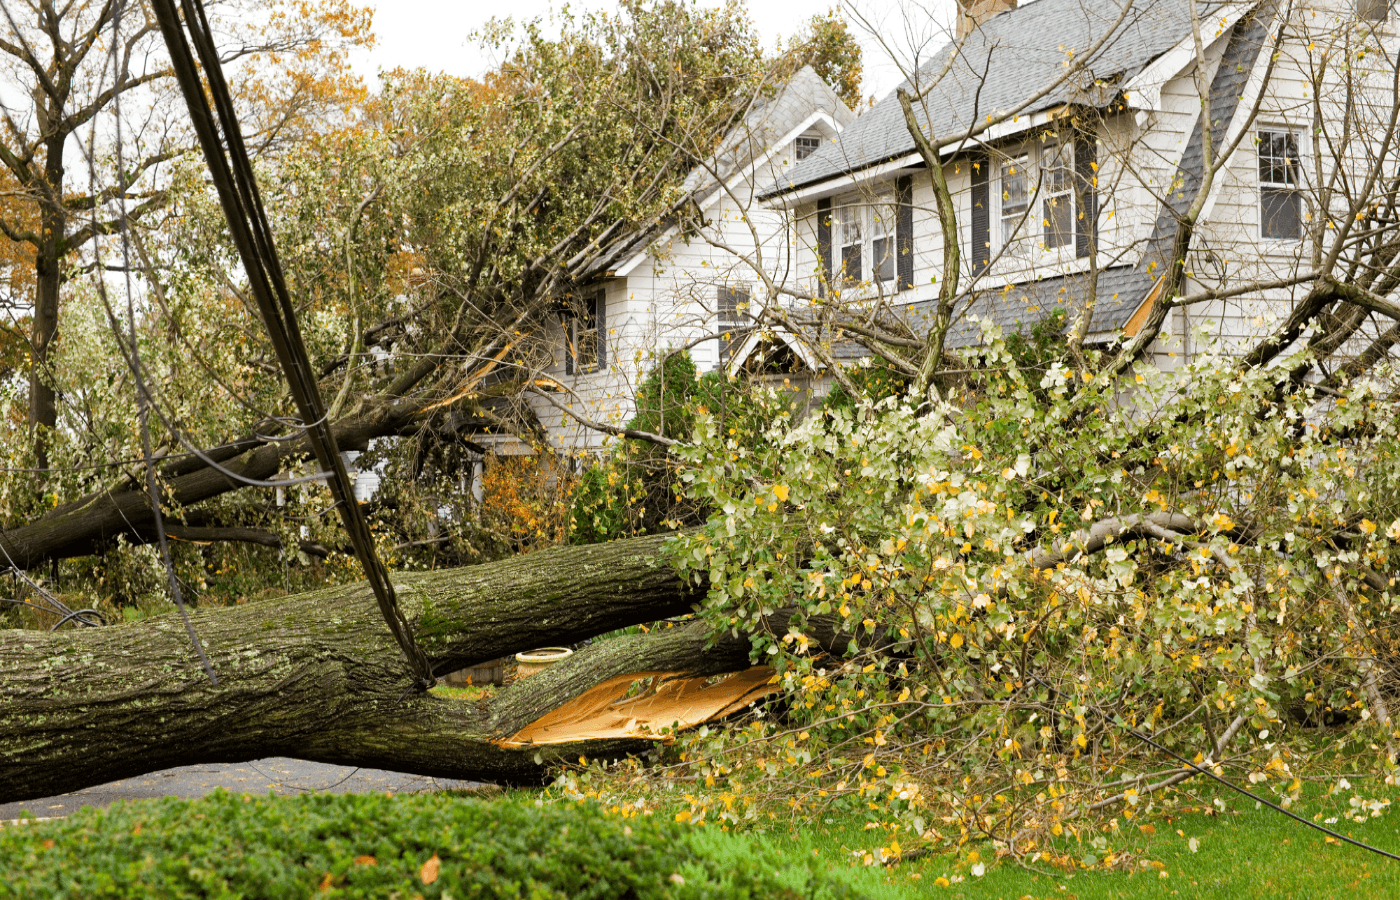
(232, 174)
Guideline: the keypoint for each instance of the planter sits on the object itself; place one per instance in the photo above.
(533, 661)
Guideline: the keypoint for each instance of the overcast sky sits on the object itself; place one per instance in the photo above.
(433, 33)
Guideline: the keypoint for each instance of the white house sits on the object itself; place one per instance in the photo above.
(1078, 137)
(683, 285)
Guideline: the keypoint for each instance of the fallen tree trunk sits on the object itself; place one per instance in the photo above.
(316, 676)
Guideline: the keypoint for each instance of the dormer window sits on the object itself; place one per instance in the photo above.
(805, 146)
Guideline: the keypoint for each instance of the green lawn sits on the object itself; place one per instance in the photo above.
(1242, 853)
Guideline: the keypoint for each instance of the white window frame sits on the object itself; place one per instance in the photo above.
(1272, 186)
(805, 145)
(865, 238)
(1056, 188)
(1045, 170)
(1013, 210)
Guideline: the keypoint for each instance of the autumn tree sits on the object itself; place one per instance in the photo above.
(72, 61)
(828, 45)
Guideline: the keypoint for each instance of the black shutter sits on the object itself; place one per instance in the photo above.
(981, 212)
(904, 233)
(823, 243)
(600, 306)
(1086, 195)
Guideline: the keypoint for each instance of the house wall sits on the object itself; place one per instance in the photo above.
(669, 301)
(1138, 157)
(1340, 113)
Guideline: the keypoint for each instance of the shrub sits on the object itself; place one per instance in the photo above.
(371, 845)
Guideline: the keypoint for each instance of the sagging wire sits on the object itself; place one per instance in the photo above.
(1206, 771)
(231, 171)
(143, 398)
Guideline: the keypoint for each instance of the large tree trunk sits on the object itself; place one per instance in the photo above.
(48, 279)
(317, 676)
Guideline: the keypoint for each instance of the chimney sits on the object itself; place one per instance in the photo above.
(972, 13)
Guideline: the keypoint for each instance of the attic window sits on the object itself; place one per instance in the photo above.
(805, 146)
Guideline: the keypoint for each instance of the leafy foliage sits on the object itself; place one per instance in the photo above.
(827, 45)
(1020, 583)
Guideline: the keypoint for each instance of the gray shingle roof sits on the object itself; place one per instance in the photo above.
(1120, 291)
(1003, 63)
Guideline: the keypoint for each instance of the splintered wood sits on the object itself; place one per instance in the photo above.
(661, 704)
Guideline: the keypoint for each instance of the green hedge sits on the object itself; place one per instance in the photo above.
(334, 846)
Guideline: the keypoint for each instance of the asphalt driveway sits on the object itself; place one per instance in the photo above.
(278, 775)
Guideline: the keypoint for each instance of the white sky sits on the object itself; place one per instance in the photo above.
(433, 33)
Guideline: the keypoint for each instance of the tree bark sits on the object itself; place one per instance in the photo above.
(317, 676)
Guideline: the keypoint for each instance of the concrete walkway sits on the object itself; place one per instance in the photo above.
(278, 775)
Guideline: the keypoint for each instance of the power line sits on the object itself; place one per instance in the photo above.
(232, 174)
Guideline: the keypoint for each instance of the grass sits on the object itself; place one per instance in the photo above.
(1203, 843)
(1244, 853)
(467, 694)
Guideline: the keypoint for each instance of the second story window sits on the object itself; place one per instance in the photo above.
(733, 313)
(849, 241)
(1037, 197)
(1280, 185)
(882, 238)
(865, 236)
(1015, 196)
(805, 146)
(1373, 10)
(1057, 195)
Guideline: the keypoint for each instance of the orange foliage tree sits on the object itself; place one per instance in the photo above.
(75, 61)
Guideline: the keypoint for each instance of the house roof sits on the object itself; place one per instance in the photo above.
(1119, 292)
(767, 121)
(1003, 64)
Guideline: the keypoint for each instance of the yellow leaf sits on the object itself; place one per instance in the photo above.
(366, 861)
(429, 872)
(781, 492)
(955, 641)
(1368, 526)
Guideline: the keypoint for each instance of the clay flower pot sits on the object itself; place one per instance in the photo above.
(532, 661)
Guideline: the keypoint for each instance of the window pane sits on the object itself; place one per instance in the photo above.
(1055, 170)
(882, 258)
(850, 263)
(1058, 221)
(1278, 158)
(806, 146)
(1281, 213)
(848, 225)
